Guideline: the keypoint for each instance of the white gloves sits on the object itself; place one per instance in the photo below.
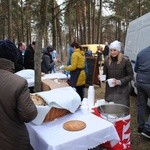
(61, 67)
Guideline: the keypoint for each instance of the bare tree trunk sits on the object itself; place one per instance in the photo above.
(118, 21)
(84, 22)
(99, 22)
(27, 24)
(139, 7)
(69, 24)
(89, 21)
(9, 20)
(4, 21)
(45, 37)
(77, 21)
(93, 22)
(59, 49)
(38, 51)
(22, 22)
(53, 23)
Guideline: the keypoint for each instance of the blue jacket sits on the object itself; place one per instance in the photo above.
(142, 66)
(69, 57)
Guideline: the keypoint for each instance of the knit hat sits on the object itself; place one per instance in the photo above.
(115, 45)
(8, 50)
(49, 48)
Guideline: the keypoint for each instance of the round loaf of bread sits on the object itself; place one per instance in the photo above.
(74, 125)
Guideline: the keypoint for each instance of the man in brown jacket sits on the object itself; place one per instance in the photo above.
(16, 106)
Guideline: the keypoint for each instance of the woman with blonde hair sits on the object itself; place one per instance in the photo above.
(119, 68)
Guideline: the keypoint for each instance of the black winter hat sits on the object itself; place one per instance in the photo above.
(8, 50)
(49, 48)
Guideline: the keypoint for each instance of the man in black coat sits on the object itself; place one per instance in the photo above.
(47, 64)
(19, 65)
(29, 56)
(106, 50)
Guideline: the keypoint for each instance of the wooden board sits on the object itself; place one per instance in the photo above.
(74, 125)
(92, 71)
(49, 84)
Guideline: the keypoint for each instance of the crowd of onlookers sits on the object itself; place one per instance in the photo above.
(26, 58)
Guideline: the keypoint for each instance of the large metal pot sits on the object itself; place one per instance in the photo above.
(112, 112)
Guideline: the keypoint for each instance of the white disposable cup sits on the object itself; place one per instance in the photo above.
(102, 77)
(110, 82)
(85, 101)
(91, 96)
(84, 109)
(101, 102)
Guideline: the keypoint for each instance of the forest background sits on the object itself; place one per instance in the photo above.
(49, 22)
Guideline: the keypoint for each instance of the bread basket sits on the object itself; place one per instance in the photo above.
(53, 113)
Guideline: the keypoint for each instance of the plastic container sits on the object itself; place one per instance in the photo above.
(91, 96)
(116, 110)
(120, 116)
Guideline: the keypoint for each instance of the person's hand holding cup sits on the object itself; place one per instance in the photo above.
(113, 82)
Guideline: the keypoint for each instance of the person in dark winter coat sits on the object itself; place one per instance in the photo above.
(119, 68)
(19, 65)
(29, 56)
(16, 106)
(106, 50)
(142, 68)
(47, 64)
(99, 55)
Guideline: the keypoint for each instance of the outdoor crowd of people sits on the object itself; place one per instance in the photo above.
(17, 107)
(26, 58)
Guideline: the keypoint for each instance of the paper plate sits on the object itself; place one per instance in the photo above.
(74, 125)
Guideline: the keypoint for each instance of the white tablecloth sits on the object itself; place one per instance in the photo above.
(52, 136)
(29, 75)
(48, 76)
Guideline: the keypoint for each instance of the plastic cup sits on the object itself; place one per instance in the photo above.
(101, 102)
(110, 82)
(84, 109)
(85, 101)
(102, 77)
